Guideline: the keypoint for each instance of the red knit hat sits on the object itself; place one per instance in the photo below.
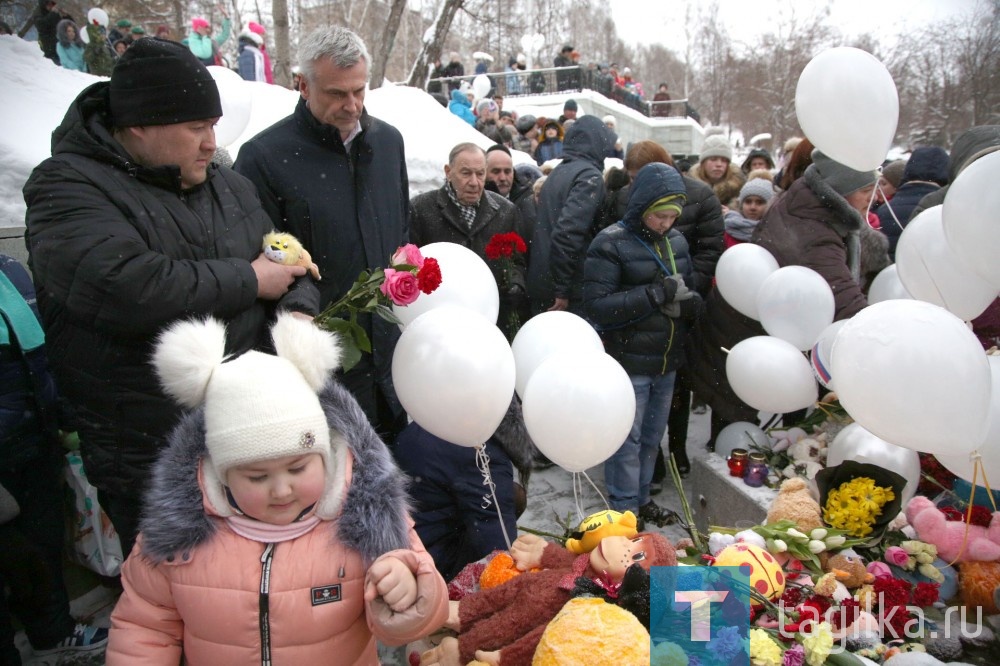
(256, 28)
(198, 22)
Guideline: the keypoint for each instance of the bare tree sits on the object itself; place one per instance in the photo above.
(433, 42)
(381, 58)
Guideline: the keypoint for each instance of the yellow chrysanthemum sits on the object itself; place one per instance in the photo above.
(818, 644)
(763, 650)
(855, 505)
(668, 654)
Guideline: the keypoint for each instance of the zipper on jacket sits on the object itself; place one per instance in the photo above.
(264, 605)
(670, 343)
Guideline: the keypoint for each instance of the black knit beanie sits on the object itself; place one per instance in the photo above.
(160, 82)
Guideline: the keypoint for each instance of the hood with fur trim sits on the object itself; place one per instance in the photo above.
(846, 221)
(373, 518)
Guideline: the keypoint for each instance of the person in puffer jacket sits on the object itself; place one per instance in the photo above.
(276, 527)
(636, 293)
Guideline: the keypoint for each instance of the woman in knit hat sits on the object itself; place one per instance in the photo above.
(276, 526)
(637, 292)
(818, 223)
(755, 197)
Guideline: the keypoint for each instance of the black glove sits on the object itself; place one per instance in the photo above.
(515, 297)
(672, 307)
(663, 290)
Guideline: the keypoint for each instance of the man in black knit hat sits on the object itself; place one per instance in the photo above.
(130, 227)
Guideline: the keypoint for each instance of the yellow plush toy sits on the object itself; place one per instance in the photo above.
(589, 631)
(598, 525)
(286, 249)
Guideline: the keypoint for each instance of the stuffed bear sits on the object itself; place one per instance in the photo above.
(795, 502)
(982, 544)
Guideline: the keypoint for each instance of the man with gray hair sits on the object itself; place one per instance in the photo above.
(463, 211)
(335, 177)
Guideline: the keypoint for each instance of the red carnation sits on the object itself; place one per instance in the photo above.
(980, 516)
(429, 275)
(925, 594)
(505, 245)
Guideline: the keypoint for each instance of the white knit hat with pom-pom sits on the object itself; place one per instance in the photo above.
(257, 406)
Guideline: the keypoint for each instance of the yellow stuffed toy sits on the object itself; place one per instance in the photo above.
(598, 525)
(589, 631)
(286, 249)
(794, 502)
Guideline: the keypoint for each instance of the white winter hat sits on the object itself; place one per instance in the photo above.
(257, 406)
(253, 37)
(716, 145)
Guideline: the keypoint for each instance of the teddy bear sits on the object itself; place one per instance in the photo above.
(794, 502)
(982, 544)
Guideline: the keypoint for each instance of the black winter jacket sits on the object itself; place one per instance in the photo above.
(119, 251)
(567, 210)
(903, 203)
(701, 223)
(622, 273)
(349, 209)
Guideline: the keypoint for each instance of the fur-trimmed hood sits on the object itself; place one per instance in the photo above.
(846, 221)
(373, 518)
(513, 438)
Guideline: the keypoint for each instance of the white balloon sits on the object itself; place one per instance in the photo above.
(771, 375)
(989, 450)
(847, 105)
(579, 409)
(454, 374)
(822, 352)
(970, 217)
(795, 304)
(237, 103)
(931, 271)
(548, 333)
(740, 435)
(856, 443)
(481, 86)
(466, 281)
(739, 274)
(913, 374)
(887, 286)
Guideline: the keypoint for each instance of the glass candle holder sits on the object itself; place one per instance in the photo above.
(756, 470)
(737, 461)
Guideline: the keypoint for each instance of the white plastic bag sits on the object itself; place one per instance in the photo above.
(95, 542)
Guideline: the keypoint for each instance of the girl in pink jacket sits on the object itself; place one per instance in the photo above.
(275, 529)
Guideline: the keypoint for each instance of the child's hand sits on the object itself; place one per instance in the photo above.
(527, 551)
(390, 579)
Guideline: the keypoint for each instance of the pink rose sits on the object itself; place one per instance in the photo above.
(400, 286)
(896, 555)
(408, 255)
(879, 570)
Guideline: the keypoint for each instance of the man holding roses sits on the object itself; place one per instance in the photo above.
(335, 177)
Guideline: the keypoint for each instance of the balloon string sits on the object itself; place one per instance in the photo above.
(596, 490)
(886, 204)
(976, 462)
(986, 482)
(483, 463)
(577, 492)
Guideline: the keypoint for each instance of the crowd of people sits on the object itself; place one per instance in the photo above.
(96, 52)
(273, 506)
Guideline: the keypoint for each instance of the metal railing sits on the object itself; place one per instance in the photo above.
(554, 80)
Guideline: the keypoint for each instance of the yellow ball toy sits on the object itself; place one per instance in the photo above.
(765, 574)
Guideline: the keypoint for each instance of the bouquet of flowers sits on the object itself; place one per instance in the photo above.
(502, 248)
(409, 273)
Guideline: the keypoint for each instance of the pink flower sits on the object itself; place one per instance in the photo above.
(408, 255)
(400, 286)
(879, 570)
(896, 555)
